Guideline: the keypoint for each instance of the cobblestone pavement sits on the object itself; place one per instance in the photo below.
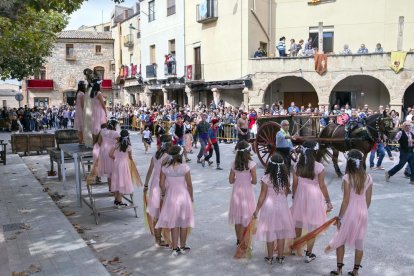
(388, 247)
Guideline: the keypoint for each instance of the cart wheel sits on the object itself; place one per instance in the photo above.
(265, 141)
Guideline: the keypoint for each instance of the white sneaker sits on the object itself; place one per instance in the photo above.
(176, 252)
(185, 250)
(309, 257)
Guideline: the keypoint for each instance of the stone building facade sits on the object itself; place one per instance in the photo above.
(359, 79)
(73, 52)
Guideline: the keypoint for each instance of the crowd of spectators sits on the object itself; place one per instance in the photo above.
(308, 49)
(138, 117)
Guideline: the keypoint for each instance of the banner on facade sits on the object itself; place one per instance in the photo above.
(397, 60)
(189, 72)
(321, 63)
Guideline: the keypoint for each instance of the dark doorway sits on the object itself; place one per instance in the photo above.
(70, 98)
(408, 98)
(341, 98)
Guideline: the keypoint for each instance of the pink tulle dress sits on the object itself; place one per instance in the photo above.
(309, 207)
(98, 115)
(242, 202)
(106, 164)
(121, 175)
(154, 200)
(78, 124)
(354, 222)
(95, 152)
(177, 208)
(275, 220)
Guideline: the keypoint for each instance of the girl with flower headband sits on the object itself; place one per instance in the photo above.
(242, 177)
(177, 192)
(310, 196)
(107, 140)
(154, 200)
(275, 223)
(121, 183)
(353, 216)
(99, 115)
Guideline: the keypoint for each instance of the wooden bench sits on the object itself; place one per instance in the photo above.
(62, 136)
(28, 142)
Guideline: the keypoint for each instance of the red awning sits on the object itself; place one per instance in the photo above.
(40, 84)
(106, 84)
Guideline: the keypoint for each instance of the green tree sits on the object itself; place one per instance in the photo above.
(26, 41)
(28, 31)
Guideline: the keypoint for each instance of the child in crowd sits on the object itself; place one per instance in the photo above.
(146, 138)
(310, 195)
(95, 153)
(275, 220)
(177, 211)
(121, 183)
(107, 140)
(188, 136)
(154, 200)
(242, 177)
(353, 216)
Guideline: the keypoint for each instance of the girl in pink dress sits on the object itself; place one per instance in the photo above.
(275, 220)
(310, 195)
(242, 177)
(78, 124)
(154, 200)
(177, 210)
(98, 109)
(353, 216)
(107, 140)
(121, 183)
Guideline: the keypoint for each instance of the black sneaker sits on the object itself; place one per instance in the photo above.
(198, 161)
(210, 163)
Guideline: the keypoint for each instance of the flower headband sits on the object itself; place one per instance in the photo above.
(278, 175)
(245, 149)
(355, 160)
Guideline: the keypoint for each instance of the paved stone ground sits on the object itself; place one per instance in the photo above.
(34, 234)
(388, 249)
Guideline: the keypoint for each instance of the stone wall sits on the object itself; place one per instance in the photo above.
(66, 73)
(267, 70)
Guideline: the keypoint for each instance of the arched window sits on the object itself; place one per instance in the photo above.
(100, 71)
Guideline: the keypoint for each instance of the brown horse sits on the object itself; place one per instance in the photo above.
(362, 139)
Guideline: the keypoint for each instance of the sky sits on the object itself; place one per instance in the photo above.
(91, 13)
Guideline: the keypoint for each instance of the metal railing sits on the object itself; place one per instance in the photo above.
(151, 71)
(207, 11)
(170, 69)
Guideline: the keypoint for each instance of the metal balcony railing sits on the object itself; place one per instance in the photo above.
(170, 69)
(128, 40)
(151, 71)
(194, 72)
(207, 11)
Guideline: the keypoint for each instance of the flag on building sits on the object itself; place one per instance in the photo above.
(397, 60)
(321, 63)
